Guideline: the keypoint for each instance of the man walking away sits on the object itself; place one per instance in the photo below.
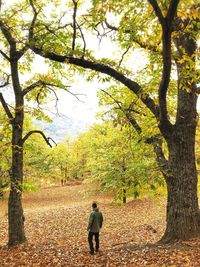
(94, 226)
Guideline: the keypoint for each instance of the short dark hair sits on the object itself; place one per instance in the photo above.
(94, 205)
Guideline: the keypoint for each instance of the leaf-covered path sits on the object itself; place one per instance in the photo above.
(56, 223)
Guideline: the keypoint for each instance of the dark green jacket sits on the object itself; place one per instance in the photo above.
(95, 221)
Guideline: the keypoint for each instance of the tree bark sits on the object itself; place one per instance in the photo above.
(183, 220)
(15, 211)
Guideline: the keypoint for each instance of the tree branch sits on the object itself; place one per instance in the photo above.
(157, 11)
(166, 24)
(128, 116)
(83, 38)
(74, 26)
(6, 108)
(4, 55)
(38, 132)
(42, 83)
(123, 55)
(7, 34)
(31, 87)
(31, 29)
(99, 67)
(172, 11)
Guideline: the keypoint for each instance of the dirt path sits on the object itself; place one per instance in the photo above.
(56, 222)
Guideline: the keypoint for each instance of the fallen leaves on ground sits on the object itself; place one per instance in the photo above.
(56, 223)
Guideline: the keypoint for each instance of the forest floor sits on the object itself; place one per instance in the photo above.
(56, 223)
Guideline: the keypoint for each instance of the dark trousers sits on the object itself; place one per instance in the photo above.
(90, 240)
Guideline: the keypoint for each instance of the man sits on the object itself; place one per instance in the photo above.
(94, 226)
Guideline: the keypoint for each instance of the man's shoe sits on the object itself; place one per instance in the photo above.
(97, 250)
(91, 252)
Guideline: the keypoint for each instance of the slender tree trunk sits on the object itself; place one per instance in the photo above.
(15, 211)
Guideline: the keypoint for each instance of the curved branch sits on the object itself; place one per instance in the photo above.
(38, 132)
(128, 116)
(41, 83)
(123, 55)
(102, 68)
(31, 87)
(83, 38)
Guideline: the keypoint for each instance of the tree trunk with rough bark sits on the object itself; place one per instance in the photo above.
(15, 211)
(183, 218)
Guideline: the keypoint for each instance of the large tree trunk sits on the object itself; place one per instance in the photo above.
(183, 220)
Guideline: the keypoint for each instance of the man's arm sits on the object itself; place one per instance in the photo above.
(91, 219)
(101, 220)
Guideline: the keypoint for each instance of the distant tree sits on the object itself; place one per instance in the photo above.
(59, 160)
(119, 162)
(78, 157)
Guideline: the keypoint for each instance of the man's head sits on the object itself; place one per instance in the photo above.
(94, 205)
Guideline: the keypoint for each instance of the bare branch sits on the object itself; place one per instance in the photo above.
(74, 25)
(6, 108)
(123, 55)
(83, 38)
(128, 116)
(44, 84)
(38, 132)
